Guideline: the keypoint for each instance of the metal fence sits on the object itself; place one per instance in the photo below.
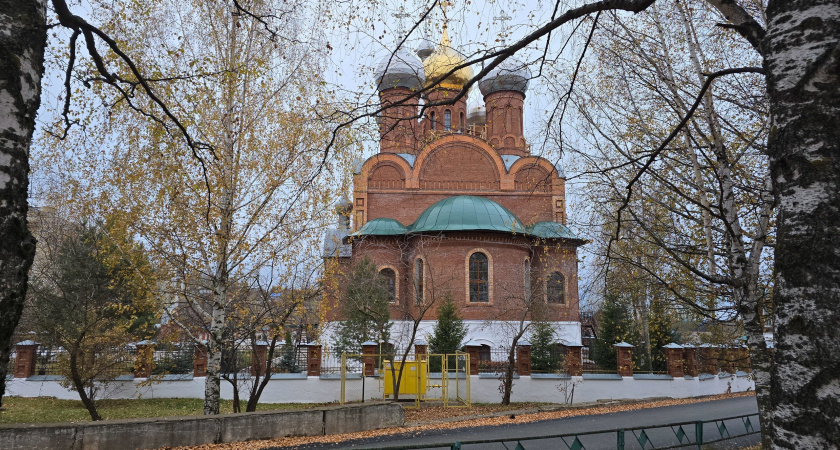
(494, 361)
(695, 434)
(548, 360)
(175, 359)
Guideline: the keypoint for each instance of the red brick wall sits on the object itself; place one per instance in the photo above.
(399, 130)
(446, 267)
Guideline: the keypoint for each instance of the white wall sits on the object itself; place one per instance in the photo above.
(483, 390)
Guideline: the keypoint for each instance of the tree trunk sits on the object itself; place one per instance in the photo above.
(79, 385)
(259, 385)
(22, 45)
(803, 79)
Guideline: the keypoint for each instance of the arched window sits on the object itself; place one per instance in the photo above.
(447, 120)
(432, 119)
(555, 289)
(461, 124)
(389, 277)
(418, 281)
(479, 278)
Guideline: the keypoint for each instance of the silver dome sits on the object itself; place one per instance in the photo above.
(477, 115)
(401, 69)
(425, 48)
(510, 75)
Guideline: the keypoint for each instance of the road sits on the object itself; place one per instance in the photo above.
(711, 410)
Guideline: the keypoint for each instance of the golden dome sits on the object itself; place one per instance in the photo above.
(441, 61)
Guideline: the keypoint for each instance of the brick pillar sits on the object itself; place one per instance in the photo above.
(313, 360)
(420, 348)
(624, 358)
(574, 361)
(674, 360)
(743, 360)
(473, 352)
(27, 352)
(144, 359)
(725, 358)
(708, 359)
(523, 359)
(258, 361)
(690, 359)
(369, 357)
(200, 360)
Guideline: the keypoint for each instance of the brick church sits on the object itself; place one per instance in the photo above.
(454, 204)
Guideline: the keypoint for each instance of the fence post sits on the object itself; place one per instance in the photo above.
(144, 359)
(313, 360)
(420, 348)
(26, 359)
(690, 358)
(523, 358)
(674, 360)
(624, 357)
(200, 360)
(698, 433)
(471, 348)
(574, 360)
(369, 357)
(619, 440)
(258, 362)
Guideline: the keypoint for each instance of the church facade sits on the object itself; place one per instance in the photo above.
(455, 205)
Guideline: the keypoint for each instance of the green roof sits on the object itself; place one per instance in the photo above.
(381, 227)
(467, 212)
(551, 230)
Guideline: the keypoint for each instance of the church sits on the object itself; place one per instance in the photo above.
(455, 205)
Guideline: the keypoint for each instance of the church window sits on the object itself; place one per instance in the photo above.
(447, 120)
(389, 277)
(432, 119)
(479, 278)
(556, 289)
(418, 281)
(461, 124)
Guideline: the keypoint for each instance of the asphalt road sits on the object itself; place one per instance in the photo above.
(662, 437)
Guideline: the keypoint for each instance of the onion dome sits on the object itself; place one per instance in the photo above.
(467, 212)
(400, 69)
(425, 49)
(510, 75)
(477, 115)
(442, 61)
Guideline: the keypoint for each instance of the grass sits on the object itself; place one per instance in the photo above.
(50, 409)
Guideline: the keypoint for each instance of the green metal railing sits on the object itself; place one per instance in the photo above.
(694, 434)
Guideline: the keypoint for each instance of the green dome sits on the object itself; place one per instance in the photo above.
(551, 230)
(381, 227)
(467, 212)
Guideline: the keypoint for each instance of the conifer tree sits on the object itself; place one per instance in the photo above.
(614, 327)
(544, 355)
(449, 331)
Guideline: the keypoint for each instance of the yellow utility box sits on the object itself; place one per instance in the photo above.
(413, 380)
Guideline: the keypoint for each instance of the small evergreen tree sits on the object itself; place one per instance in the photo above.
(288, 362)
(448, 334)
(614, 326)
(545, 357)
(365, 309)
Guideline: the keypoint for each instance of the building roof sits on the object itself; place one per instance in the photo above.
(467, 212)
(551, 230)
(381, 227)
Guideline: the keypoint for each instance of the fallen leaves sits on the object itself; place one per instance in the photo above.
(439, 418)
